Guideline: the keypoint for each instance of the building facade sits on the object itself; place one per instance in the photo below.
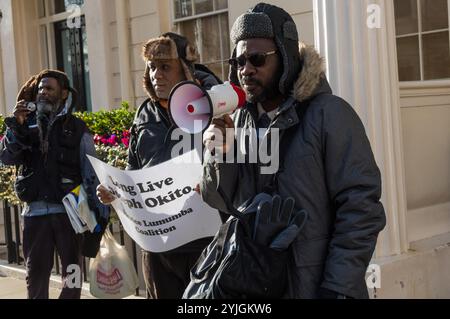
(388, 58)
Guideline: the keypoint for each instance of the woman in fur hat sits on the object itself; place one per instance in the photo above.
(170, 59)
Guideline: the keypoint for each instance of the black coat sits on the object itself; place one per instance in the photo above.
(329, 169)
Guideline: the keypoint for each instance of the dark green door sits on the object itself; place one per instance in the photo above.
(72, 58)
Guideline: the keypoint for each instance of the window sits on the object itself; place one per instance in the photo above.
(423, 46)
(72, 57)
(205, 23)
(64, 46)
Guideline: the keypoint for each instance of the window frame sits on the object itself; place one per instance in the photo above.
(49, 53)
(422, 82)
(197, 17)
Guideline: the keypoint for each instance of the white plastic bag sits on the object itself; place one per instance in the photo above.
(112, 274)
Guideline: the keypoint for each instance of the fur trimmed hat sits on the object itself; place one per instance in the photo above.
(270, 22)
(167, 47)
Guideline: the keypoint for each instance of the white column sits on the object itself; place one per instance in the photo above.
(123, 36)
(2, 86)
(99, 53)
(26, 39)
(8, 55)
(362, 69)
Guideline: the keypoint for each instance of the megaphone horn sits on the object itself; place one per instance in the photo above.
(200, 106)
(192, 108)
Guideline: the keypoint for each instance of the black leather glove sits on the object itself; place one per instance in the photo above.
(276, 224)
(287, 236)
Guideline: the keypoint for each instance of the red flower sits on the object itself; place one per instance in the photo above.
(126, 141)
(112, 140)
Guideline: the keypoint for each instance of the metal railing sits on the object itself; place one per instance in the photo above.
(13, 241)
(12, 234)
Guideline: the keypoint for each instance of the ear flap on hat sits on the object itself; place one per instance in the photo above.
(29, 90)
(191, 54)
(290, 30)
(187, 71)
(147, 84)
(232, 75)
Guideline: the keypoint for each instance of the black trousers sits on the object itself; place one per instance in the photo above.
(41, 235)
(167, 274)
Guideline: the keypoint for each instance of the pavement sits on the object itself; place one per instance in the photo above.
(11, 288)
(13, 284)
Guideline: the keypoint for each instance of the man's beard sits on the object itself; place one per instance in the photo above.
(268, 92)
(46, 106)
(44, 116)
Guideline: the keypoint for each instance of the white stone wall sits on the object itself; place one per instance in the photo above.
(8, 56)
(416, 275)
(425, 113)
(143, 25)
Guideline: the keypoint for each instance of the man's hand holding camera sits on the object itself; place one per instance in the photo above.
(21, 112)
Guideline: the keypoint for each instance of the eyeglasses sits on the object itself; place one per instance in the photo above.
(256, 59)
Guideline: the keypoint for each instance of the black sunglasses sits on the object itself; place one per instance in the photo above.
(256, 59)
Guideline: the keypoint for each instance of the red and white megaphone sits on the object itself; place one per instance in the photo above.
(192, 108)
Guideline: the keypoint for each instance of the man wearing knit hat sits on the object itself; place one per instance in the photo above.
(326, 162)
(169, 60)
(49, 146)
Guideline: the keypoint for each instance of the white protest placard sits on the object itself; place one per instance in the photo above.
(158, 206)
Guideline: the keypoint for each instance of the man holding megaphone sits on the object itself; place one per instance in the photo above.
(170, 59)
(326, 163)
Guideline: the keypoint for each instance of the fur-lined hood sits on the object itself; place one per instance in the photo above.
(312, 76)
